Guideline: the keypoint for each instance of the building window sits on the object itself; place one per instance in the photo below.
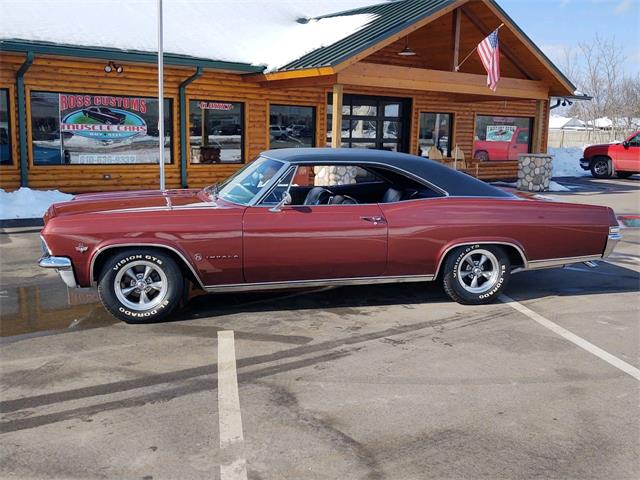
(291, 126)
(371, 122)
(502, 138)
(5, 129)
(436, 130)
(216, 131)
(87, 129)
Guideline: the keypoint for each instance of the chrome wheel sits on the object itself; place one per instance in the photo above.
(141, 285)
(478, 271)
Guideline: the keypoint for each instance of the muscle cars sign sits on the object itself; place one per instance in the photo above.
(102, 117)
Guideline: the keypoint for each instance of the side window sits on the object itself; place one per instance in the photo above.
(523, 137)
(333, 175)
(277, 192)
(635, 141)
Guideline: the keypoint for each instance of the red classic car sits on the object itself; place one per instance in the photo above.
(307, 217)
(622, 158)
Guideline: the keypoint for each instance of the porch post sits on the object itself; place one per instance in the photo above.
(456, 40)
(539, 127)
(336, 119)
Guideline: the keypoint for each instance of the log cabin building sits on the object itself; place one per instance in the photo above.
(79, 118)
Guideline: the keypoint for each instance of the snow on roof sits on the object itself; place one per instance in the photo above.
(256, 32)
(558, 121)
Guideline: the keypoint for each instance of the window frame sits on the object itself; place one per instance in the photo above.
(12, 160)
(29, 110)
(314, 120)
(452, 119)
(243, 140)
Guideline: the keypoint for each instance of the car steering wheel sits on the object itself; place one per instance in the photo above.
(317, 196)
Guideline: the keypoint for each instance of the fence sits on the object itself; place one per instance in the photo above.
(580, 138)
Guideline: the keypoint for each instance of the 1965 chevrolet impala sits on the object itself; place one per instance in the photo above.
(310, 217)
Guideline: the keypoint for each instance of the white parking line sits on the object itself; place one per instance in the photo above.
(229, 416)
(573, 338)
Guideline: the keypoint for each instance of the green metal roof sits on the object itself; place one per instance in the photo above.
(50, 48)
(390, 18)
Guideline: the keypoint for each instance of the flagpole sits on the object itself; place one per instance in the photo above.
(160, 96)
(476, 47)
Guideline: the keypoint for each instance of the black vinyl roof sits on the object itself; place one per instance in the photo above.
(453, 182)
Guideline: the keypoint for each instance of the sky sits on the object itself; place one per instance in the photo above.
(558, 24)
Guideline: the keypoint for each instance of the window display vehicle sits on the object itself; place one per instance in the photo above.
(621, 158)
(308, 217)
(105, 115)
(503, 150)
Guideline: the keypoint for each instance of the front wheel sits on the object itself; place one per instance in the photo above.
(476, 274)
(600, 167)
(140, 285)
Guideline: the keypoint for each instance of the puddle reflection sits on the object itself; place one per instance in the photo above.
(49, 306)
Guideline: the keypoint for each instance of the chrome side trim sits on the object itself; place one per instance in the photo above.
(612, 240)
(560, 262)
(101, 250)
(525, 262)
(63, 266)
(327, 282)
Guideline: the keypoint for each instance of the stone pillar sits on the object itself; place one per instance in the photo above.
(534, 172)
(325, 176)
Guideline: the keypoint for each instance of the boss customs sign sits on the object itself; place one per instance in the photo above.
(102, 117)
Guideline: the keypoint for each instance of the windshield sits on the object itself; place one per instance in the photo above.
(249, 181)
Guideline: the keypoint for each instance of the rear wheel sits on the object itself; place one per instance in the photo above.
(601, 167)
(476, 274)
(140, 285)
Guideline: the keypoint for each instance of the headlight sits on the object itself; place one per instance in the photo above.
(44, 247)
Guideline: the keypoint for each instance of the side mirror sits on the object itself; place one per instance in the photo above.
(286, 200)
(625, 144)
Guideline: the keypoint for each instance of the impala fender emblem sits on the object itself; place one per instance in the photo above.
(198, 257)
(222, 257)
(81, 247)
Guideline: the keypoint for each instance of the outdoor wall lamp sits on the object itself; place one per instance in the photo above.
(110, 67)
(407, 51)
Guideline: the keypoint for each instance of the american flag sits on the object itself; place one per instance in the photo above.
(489, 52)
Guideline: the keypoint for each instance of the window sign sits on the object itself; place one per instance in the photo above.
(96, 129)
(215, 132)
(501, 138)
(5, 130)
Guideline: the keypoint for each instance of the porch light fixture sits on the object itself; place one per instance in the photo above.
(110, 67)
(407, 51)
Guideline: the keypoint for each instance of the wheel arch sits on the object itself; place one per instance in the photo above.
(102, 254)
(514, 250)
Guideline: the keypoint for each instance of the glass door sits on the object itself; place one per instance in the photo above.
(373, 122)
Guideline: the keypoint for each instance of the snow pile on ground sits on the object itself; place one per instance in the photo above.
(258, 32)
(27, 203)
(566, 162)
(556, 187)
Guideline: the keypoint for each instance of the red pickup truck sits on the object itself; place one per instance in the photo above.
(622, 158)
(493, 150)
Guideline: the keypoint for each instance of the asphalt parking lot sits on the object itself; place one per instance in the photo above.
(370, 382)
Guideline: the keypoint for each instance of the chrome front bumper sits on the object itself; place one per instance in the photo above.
(63, 266)
(612, 240)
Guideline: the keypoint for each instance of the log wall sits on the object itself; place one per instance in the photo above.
(64, 74)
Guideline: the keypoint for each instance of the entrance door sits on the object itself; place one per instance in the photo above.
(381, 123)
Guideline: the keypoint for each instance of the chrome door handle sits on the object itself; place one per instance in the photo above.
(374, 220)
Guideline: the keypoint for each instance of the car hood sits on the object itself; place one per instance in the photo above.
(601, 146)
(128, 201)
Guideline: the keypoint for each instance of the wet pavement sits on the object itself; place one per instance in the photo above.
(368, 382)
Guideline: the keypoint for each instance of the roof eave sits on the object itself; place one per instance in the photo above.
(105, 53)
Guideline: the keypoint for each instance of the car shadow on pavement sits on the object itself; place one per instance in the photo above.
(582, 185)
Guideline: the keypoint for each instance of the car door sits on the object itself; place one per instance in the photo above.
(313, 242)
(628, 158)
(520, 146)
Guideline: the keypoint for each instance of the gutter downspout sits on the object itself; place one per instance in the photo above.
(183, 124)
(22, 120)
